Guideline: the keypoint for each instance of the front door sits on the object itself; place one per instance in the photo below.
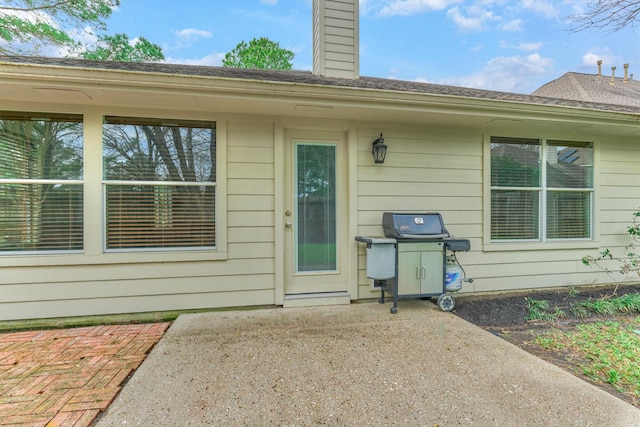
(315, 213)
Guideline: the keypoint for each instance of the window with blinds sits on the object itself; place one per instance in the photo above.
(541, 190)
(41, 182)
(159, 184)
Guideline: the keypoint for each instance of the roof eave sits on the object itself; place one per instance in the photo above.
(319, 94)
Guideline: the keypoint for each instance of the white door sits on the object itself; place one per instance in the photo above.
(315, 214)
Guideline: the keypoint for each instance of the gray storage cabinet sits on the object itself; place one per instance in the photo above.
(421, 267)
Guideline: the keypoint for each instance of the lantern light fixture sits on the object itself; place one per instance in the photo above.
(379, 150)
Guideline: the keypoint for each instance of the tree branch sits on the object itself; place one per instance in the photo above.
(610, 15)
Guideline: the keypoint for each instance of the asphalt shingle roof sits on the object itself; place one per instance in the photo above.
(306, 77)
(593, 88)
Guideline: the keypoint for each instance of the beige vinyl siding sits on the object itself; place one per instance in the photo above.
(336, 38)
(72, 291)
(442, 170)
(552, 264)
(245, 277)
(435, 170)
(133, 280)
(426, 169)
(617, 194)
(130, 304)
(519, 270)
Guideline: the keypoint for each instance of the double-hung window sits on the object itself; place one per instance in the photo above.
(41, 183)
(159, 184)
(541, 189)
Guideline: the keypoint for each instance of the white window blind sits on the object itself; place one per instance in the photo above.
(569, 189)
(541, 189)
(159, 183)
(41, 182)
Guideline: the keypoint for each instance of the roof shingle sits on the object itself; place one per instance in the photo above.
(593, 88)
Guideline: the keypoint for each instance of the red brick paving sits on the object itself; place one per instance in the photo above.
(66, 377)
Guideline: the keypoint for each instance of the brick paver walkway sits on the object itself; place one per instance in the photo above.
(66, 377)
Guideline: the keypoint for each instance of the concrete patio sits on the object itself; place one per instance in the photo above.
(352, 365)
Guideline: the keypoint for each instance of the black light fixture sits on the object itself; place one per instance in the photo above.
(379, 150)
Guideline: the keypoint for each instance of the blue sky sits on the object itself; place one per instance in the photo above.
(506, 45)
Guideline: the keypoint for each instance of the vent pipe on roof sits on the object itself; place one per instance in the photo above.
(599, 67)
(626, 73)
(613, 75)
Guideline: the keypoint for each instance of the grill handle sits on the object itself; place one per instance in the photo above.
(424, 236)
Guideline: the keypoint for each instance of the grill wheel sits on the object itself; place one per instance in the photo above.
(446, 302)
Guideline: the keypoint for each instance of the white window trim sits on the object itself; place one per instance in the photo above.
(93, 217)
(542, 243)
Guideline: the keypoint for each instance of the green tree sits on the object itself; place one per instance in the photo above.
(259, 53)
(29, 26)
(119, 48)
(609, 15)
(26, 26)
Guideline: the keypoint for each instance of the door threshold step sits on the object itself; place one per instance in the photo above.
(316, 299)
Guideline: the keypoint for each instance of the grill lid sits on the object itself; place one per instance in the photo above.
(414, 225)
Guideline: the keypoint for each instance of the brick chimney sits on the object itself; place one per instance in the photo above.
(336, 38)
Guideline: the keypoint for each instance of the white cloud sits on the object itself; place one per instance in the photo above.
(393, 73)
(505, 73)
(609, 59)
(575, 7)
(492, 2)
(364, 6)
(30, 16)
(192, 34)
(211, 59)
(543, 7)
(514, 25)
(421, 80)
(188, 36)
(269, 2)
(474, 19)
(27, 45)
(529, 47)
(87, 38)
(410, 7)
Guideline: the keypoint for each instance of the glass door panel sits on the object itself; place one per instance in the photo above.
(316, 230)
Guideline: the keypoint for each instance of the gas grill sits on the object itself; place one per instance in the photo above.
(415, 259)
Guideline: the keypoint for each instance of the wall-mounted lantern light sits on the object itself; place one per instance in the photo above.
(379, 150)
